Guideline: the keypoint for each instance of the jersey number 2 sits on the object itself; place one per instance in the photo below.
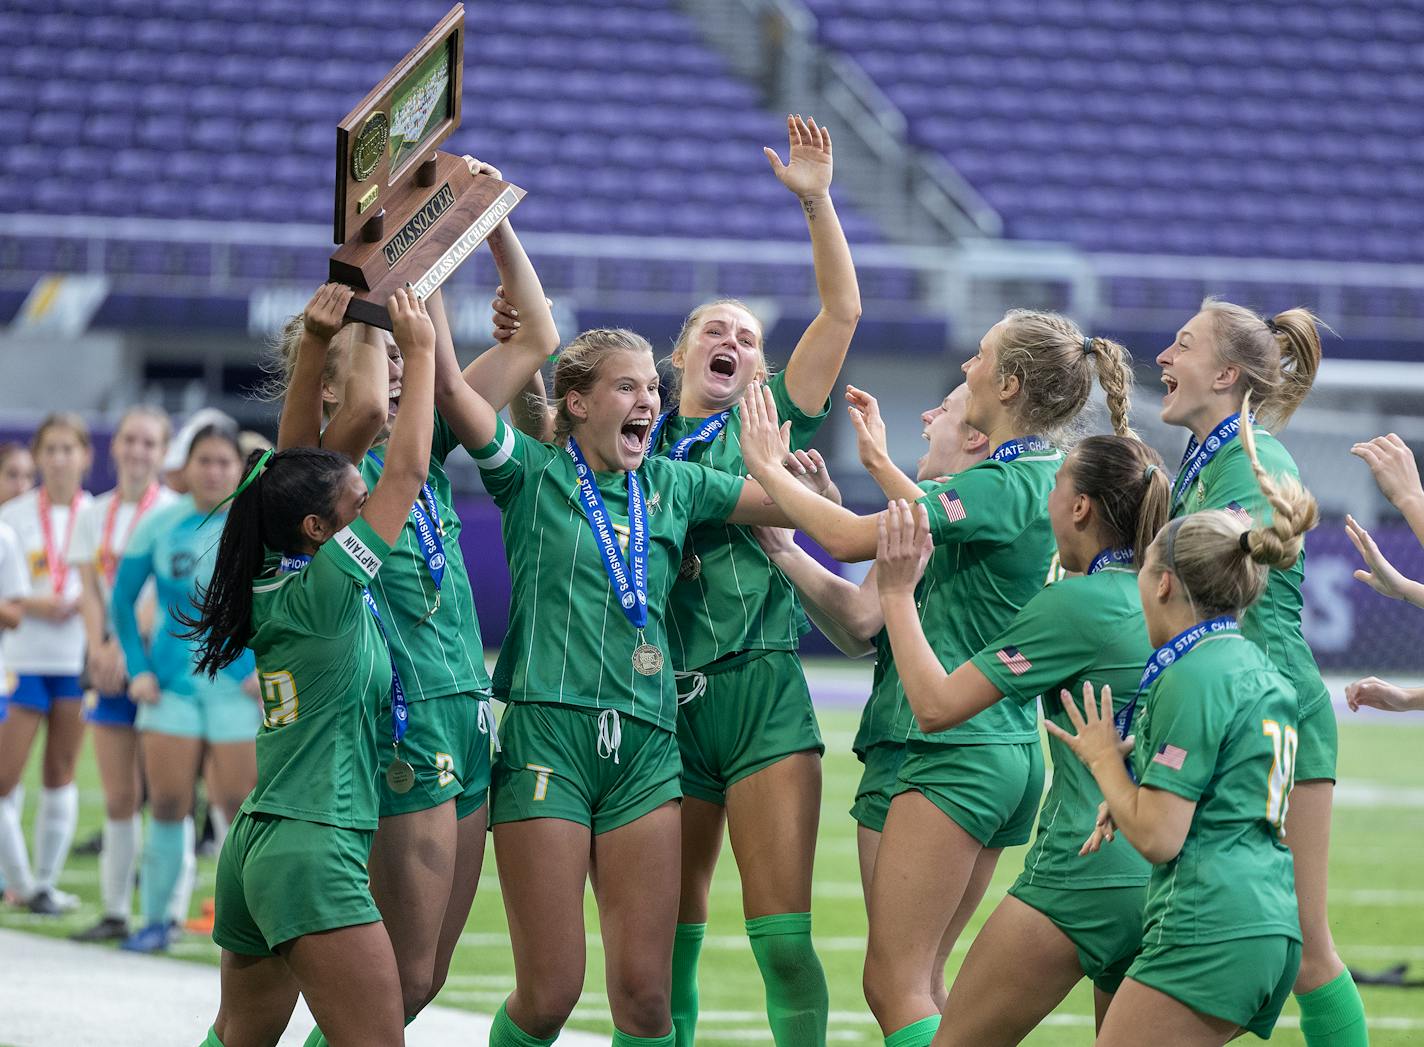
(1284, 742)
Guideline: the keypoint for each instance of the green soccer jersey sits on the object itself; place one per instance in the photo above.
(993, 548)
(739, 600)
(1218, 727)
(325, 674)
(568, 640)
(1106, 645)
(437, 653)
(1273, 621)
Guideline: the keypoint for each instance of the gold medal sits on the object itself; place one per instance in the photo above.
(647, 659)
(400, 776)
(691, 568)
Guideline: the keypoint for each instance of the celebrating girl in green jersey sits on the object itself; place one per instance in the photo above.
(428, 852)
(588, 772)
(1065, 916)
(965, 793)
(850, 615)
(302, 544)
(1222, 353)
(751, 748)
(1217, 741)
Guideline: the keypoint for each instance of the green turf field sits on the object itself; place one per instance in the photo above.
(1377, 915)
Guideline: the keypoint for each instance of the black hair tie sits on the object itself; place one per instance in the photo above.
(1245, 541)
(1270, 322)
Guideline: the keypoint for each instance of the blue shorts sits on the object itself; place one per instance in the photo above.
(113, 710)
(38, 692)
(219, 714)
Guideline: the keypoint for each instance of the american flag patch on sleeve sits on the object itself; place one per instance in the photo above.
(953, 507)
(1170, 756)
(1013, 659)
(1237, 510)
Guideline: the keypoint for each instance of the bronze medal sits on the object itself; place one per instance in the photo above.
(400, 776)
(691, 568)
(647, 659)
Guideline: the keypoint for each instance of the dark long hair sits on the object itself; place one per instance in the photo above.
(1130, 485)
(296, 483)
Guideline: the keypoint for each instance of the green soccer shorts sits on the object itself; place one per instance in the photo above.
(447, 743)
(280, 878)
(992, 792)
(1319, 741)
(1245, 980)
(737, 720)
(597, 768)
(1103, 923)
(877, 784)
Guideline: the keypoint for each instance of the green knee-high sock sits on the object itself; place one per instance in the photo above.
(1334, 1015)
(796, 996)
(162, 865)
(316, 1039)
(504, 1033)
(212, 1038)
(686, 948)
(623, 1039)
(916, 1034)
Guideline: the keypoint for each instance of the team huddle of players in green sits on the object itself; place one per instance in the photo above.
(654, 699)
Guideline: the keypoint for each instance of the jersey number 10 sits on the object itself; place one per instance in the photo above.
(1284, 742)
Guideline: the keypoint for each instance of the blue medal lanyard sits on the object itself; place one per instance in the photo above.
(1020, 445)
(709, 430)
(1196, 456)
(400, 710)
(629, 578)
(429, 532)
(1120, 556)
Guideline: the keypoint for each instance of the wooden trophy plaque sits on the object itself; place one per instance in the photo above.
(405, 212)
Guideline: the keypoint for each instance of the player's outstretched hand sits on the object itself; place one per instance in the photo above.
(810, 468)
(808, 170)
(1096, 739)
(504, 317)
(1392, 463)
(904, 547)
(870, 439)
(326, 312)
(410, 322)
(766, 443)
(1374, 693)
(1381, 575)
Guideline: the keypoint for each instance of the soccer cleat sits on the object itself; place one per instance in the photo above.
(109, 929)
(91, 847)
(202, 923)
(153, 938)
(48, 901)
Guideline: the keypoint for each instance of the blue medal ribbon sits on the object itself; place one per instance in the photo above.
(400, 708)
(1110, 557)
(630, 577)
(1196, 456)
(428, 530)
(1011, 449)
(1169, 652)
(709, 430)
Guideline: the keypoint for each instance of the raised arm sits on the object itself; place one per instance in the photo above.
(1392, 464)
(848, 614)
(300, 425)
(873, 449)
(815, 364)
(408, 451)
(1154, 821)
(839, 531)
(939, 699)
(365, 395)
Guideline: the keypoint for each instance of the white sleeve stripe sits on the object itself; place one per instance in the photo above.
(359, 552)
(497, 451)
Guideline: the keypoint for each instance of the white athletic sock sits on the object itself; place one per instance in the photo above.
(183, 891)
(220, 822)
(54, 832)
(14, 855)
(118, 865)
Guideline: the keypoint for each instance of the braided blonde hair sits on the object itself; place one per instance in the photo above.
(1055, 364)
(1278, 355)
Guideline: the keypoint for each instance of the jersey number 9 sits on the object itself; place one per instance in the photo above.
(279, 699)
